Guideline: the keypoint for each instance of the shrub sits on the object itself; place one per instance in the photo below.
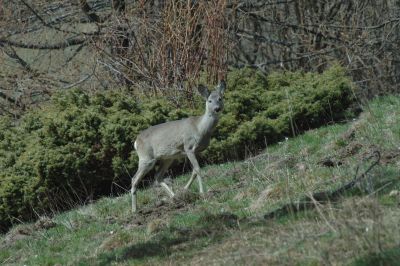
(79, 145)
(260, 109)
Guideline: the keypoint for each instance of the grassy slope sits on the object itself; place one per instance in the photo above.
(227, 225)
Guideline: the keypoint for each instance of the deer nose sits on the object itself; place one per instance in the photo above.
(217, 109)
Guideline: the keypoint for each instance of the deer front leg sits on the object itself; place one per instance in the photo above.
(196, 171)
(144, 167)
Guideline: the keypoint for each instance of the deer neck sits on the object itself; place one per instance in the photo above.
(207, 123)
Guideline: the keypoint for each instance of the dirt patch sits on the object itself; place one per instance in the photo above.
(330, 162)
(359, 151)
(44, 223)
(351, 149)
(154, 216)
(348, 146)
(19, 233)
(185, 196)
(163, 208)
(25, 230)
(390, 157)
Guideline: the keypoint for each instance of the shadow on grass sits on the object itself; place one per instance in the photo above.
(157, 248)
(210, 227)
(385, 258)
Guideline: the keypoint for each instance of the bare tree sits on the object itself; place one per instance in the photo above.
(310, 35)
(146, 45)
(162, 46)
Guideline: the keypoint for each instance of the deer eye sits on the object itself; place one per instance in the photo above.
(209, 101)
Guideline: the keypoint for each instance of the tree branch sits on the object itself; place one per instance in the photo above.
(50, 25)
(9, 99)
(262, 39)
(61, 45)
(247, 6)
(93, 17)
(119, 6)
(294, 26)
(13, 54)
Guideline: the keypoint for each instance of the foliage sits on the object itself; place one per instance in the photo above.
(261, 110)
(79, 146)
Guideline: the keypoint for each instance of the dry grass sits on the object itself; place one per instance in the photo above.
(339, 234)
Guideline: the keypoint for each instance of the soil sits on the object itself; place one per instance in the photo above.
(162, 209)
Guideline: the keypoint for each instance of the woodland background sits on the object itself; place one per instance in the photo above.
(166, 47)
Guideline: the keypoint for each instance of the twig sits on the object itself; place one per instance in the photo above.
(13, 54)
(78, 82)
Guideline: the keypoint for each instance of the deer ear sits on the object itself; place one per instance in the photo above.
(203, 90)
(221, 87)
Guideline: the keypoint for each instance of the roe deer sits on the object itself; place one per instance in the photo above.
(166, 142)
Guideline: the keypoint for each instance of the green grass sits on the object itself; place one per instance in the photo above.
(226, 226)
(383, 258)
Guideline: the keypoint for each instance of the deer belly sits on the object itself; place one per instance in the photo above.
(168, 152)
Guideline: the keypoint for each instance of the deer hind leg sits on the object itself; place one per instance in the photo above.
(160, 173)
(189, 183)
(196, 171)
(144, 167)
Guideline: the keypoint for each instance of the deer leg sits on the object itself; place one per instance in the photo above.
(163, 168)
(196, 171)
(189, 183)
(168, 189)
(144, 167)
(199, 180)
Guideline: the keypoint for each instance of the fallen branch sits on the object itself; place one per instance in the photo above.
(310, 201)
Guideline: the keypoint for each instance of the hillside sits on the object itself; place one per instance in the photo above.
(292, 204)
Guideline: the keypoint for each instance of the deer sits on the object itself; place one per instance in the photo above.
(164, 143)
